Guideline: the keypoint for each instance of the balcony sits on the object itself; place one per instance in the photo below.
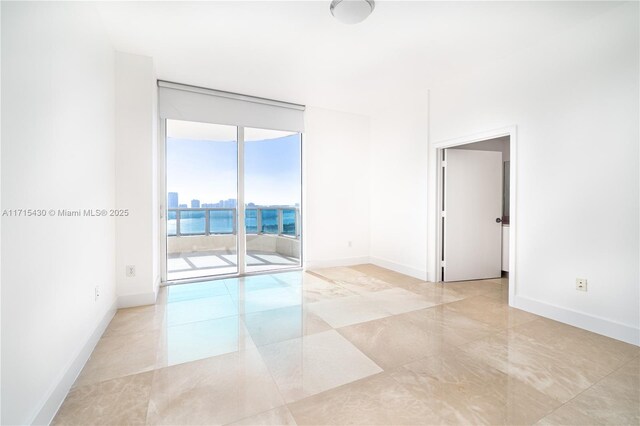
(202, 241)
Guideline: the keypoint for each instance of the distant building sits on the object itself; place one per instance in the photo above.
(195, 204)
(173, 200)
(230, 203)
(182, 206)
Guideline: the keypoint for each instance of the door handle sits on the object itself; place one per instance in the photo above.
(498, 220)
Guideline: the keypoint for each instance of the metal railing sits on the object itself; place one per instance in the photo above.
(281, 221)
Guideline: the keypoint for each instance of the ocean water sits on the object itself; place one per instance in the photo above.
(221, 222)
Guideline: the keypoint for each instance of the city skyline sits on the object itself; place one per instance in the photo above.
(173, 202)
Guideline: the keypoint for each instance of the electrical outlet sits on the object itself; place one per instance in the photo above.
(130, 270)
(349, 243)
(581, 284)
(97, 292)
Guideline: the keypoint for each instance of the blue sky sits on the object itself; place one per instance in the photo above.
(206, 170)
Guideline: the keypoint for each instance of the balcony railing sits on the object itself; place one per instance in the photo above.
(283, 221)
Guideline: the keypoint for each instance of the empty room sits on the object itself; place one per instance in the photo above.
(333, 212)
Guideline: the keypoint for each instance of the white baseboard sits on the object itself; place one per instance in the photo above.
(58, 393)
(400, 268)
(140, 299)
(578, 319)
(328, 263)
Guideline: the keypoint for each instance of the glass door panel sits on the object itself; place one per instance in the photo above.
(202, 188)
(272, 194)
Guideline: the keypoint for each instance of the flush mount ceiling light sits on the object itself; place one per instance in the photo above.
(351, 11)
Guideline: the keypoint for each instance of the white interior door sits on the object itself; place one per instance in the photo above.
(472, 203)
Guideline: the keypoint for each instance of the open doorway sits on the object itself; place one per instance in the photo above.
(475, 208)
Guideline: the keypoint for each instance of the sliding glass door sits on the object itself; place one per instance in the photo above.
(212, 172)
(202, 187)
(273, 186)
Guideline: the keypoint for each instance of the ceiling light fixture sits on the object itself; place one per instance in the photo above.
(351, 11)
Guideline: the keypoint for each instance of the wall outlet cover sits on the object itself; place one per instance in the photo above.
(581, 284)
(130, 270)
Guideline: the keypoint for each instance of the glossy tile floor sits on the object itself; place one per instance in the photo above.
(356, 345)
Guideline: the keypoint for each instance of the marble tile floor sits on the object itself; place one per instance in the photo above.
(349, 345)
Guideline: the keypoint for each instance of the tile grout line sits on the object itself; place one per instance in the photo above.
(266, 366)
(592, 385)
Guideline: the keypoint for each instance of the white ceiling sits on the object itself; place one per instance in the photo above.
(296, 51)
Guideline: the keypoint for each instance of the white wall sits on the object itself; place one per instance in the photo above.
(574, 100)
(336, 207)
(136, 179)
(57, 153)
(398, 188)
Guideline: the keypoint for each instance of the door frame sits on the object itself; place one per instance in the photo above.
(436, 150)
(240, 242)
